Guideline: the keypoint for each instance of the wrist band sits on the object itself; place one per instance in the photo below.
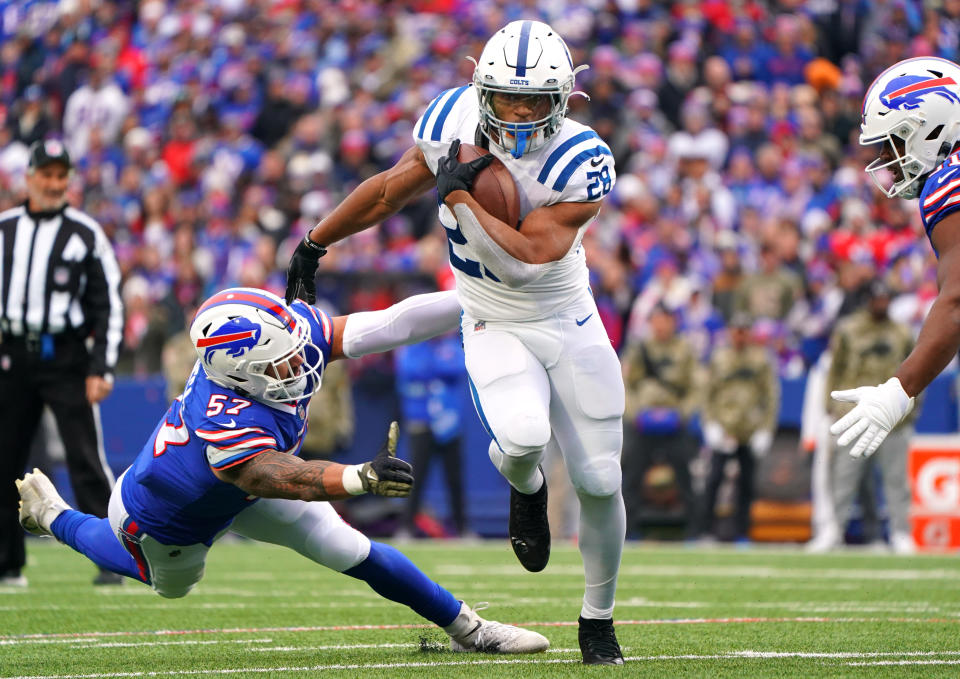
(316, 247)
(351, 479)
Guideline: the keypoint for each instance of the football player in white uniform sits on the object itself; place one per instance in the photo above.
(912, 110)
(542, 369)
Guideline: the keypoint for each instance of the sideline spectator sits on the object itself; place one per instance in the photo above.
(739, 421)
(866, 347)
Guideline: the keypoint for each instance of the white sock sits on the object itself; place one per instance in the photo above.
(522, 471)
(603, 525)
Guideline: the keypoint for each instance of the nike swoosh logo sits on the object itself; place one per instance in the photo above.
(596, 161)
(584, 320)
(232, 422)
(944, 177)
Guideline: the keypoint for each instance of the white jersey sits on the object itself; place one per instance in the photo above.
(575, 165)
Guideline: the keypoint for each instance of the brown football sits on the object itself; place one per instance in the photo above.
(493, 187)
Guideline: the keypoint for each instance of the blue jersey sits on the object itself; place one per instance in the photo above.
(941, 193)
(171, 491)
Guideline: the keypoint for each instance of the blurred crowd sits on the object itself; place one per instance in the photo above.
(210, 135)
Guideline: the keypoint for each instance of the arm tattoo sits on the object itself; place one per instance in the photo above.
(280, 475)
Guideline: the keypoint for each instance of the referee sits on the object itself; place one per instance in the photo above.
(61, 323)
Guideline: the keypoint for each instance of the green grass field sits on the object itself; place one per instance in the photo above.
(262, 611)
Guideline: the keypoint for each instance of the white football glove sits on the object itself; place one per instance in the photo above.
(760, 442)
(879, 409)
(717, 438)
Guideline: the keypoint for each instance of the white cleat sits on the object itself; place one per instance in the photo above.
(827, 540)
(902, 543)
(40, 503)
(470, 633)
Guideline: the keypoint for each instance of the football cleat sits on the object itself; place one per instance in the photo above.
(40, 503)
(529, 528)
(469, 633)
(13, 579)
(598, 642)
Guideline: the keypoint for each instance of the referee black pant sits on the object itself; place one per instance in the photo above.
(424, 448)
(27, 383)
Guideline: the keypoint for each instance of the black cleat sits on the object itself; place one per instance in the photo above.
(105, 577)
(529, 529)
(598, 642)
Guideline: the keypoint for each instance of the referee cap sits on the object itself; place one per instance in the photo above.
(48, 151)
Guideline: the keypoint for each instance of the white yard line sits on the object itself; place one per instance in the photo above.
(74, 637)
(897, 574)
(733, 655)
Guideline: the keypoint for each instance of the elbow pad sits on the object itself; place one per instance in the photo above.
(410, 321)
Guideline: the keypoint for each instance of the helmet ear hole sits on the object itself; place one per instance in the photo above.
(934, 133)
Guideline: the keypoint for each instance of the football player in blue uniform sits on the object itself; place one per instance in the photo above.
(224, 457)
(541, 367)
(912, 111)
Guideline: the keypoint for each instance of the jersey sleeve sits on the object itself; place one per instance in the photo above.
(580, 169)
(238, 430)
(440, 123)
(941, 194)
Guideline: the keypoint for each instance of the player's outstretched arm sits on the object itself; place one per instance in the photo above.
(370, 203)
(377, 198)
(939, 338)
(409, 321)
(879, 409)
(280, 475)
(273, 474)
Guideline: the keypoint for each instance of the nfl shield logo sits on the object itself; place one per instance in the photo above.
(301, 411)
(479, 326)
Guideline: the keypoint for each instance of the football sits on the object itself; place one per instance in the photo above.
(493, 187)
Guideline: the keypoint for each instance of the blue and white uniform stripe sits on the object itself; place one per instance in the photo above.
(941, 193)
(564, 160)
(436, 115)
(522, 48)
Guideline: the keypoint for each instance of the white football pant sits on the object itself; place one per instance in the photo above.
(314, 529)
(559, 376)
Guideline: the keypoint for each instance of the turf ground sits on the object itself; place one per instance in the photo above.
(262, 611)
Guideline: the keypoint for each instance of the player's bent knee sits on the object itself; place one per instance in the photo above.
(525, 433)
(601, 478)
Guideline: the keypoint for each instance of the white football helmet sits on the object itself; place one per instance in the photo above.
(524, 57)
(251, 341)
(913, 109)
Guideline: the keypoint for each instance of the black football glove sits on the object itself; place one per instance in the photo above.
(452, 175)
(386, 474)
(303, 270)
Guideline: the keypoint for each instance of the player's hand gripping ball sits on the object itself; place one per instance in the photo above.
(471, 168)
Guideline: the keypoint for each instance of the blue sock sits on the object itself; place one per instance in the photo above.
(395, 577)
(94, 538)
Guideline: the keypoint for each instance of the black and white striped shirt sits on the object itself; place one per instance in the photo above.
(58, 274)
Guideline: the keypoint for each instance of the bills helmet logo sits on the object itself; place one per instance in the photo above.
(908, 91)
(237, 336)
